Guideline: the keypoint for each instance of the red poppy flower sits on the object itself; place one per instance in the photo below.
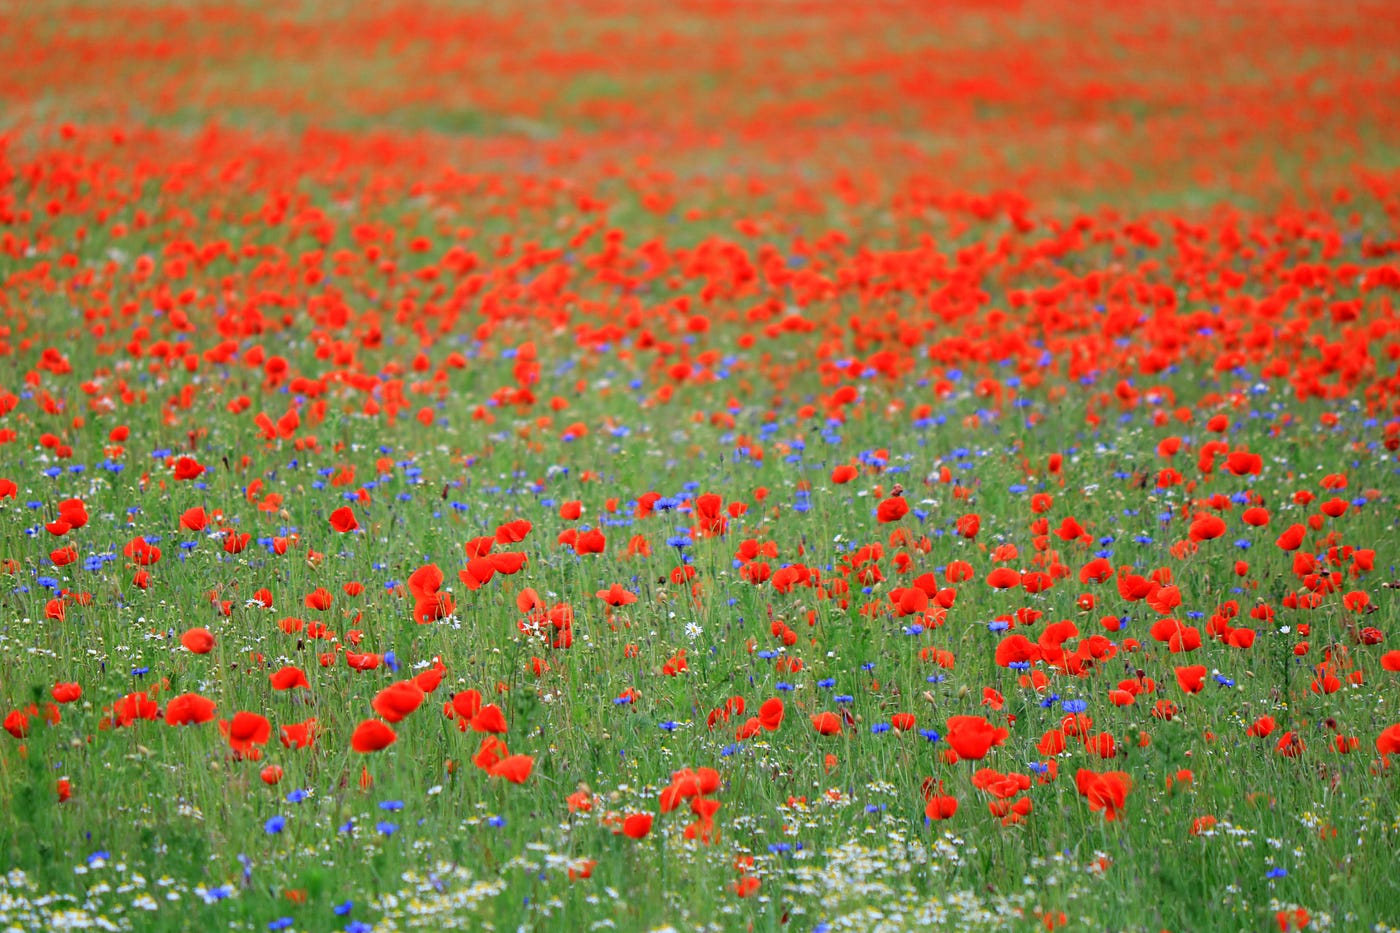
(1206, 528)
(396, 701)
(770, 714)
(189, 709)
(489, 719)
(891, 510)
(1191, 679)
(515, 768)
(289, 678)
(1004, 578)
(371, 735)
(245, 732)
(637, 825)
(1107, 792)
(299, 734)
(198, 641)
(827, 723)
(972, 736)
(187, 468)
(1388, 742)
(66, 692)
(617, 595)
(343, 520)
(141, 552)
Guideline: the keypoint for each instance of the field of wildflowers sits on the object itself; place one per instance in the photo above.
(780, 466)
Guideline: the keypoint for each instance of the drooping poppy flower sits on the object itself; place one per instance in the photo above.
(371, 735)
(826, 723)
(343, 520)
(194, 519)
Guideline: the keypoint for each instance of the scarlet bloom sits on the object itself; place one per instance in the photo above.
(515, 769)
(245, 732)
(66, 692)
(198, 641)
(770, 714)
(590, 542)
(1206, 528)
(1004, 578)
(1256, 516)
(187, 468)
(617, 595)
(1107, 792)
(141, 552)
(1290, 745)
(489, 719)
(1191, 679)
(299, 734)
(398, 700)
(941, 807)
(637, 825)
(189, 709)
(1292, 539)
(827, 723)
(1388, 742)
(194, 519)
(132, 707)
(372, 736)
(319, 599)
(972, 736)
(892, 510)
(289, 678)
(343, 520)
(843, 474)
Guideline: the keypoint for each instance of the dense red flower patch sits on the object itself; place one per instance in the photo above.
(911, 405)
